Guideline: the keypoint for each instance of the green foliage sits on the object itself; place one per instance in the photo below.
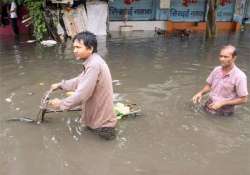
(36, 13)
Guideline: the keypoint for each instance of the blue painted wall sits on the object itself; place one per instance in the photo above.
(179, 11)
(225, 11)
(160, 14)
(248, 13)
(187, 12)
(140, 10)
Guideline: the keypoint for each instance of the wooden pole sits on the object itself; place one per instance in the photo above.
(211, 19)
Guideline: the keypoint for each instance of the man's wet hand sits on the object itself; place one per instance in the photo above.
(197, 98)
(55, 86)
(216, 105)
(55, 103)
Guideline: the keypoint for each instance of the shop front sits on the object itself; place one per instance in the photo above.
(180, 12)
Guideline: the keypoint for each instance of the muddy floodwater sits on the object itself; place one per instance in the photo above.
(159, 74)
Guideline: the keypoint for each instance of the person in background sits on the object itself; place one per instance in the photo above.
(92, 89)
(13, 17)
(226, 84)
(1, 13)
(4, 14)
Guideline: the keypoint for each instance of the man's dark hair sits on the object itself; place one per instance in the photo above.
(234, 50)
(88, 39)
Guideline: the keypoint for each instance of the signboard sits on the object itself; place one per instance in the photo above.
(174, 10)
(187, 10)
(138, 10)
(165, 4)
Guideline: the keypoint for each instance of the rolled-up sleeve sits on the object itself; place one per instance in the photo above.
(85, 87)
(69, 85)
(241, 87)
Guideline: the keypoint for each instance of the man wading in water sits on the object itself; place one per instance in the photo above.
(93, 88)
(227, 85)
(13, 17)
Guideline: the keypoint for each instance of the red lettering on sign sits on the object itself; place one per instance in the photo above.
(187, 2)
(224, 2)
(128, 2)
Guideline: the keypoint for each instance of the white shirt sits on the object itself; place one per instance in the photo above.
(13, 7)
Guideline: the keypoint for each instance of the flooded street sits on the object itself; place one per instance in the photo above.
(160, 75)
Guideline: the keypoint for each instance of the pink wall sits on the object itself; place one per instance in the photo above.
(7, 30)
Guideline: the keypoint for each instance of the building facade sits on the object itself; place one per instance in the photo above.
(139, 11)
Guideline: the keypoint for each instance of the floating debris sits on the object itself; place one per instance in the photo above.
(22, 73)
(30, 93)
(48, 43)
(65, 164)
(195, 128)
(116, 82)
(128, 162)
(124, 139)
(31, 41)
(9, 100)
(54, 139)
(185, 127)
(22, 119)
(121, 110)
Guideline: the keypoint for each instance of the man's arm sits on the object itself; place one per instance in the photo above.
(236, 101)
(85, 87)
(207, 88)
(67, 85)
(197, 97)
(84, 90)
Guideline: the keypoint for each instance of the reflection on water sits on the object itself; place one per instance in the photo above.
(159, 74)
